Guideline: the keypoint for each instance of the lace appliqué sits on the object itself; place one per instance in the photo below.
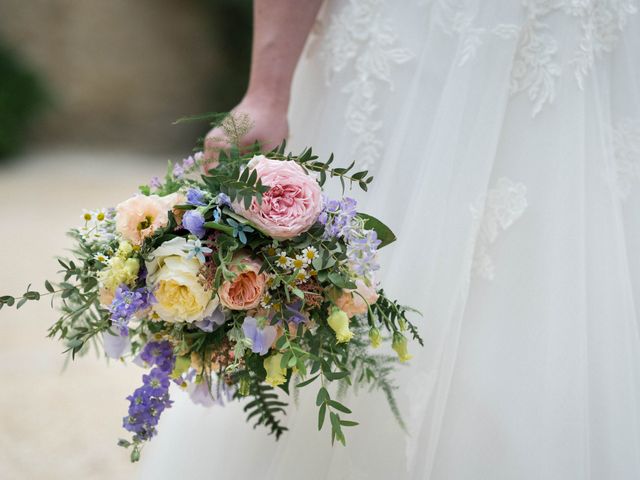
(494, 213)
(359, 35)
(536, 67)
(453, 19)
(626, 149)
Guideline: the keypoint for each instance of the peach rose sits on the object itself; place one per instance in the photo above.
(352, 301)
(292, 204)
(141, 215)
(246, 290)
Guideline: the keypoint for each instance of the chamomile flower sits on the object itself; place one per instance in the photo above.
(100, 215)
(282, 261)
(266, 301)
(88, 215)
(101, 257)
(271, 250)
(302, 275)
(298, 262)
(309, 254)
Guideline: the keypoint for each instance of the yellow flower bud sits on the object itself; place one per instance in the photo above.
(339, 323)
(275, 373)
(400, 346)
(374, 336)
(120, 271)
(124, 249)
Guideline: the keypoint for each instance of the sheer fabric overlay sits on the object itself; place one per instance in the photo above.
(505, 140)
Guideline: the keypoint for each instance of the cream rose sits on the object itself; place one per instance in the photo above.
(292, 203)
(141, 215)
(174, 280)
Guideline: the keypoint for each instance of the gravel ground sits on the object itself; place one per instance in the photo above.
(57, 424)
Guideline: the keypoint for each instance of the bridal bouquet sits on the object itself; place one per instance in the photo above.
(232, 283)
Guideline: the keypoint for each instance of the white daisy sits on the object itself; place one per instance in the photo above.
(309, 254)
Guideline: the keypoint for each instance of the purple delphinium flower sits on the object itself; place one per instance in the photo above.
(196, 197)
(155, 182)
(159, 354)
(193, 221)
(337, 217)
(178, 171)
(152, 398)
(261, 338)
(188, 163)
(126, 303)
(157, 381)
(146, 404)
(212, 322)
(361, 251)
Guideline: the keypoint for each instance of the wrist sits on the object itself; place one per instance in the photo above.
(261, 97)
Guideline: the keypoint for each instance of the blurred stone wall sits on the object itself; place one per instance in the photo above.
(119, 71)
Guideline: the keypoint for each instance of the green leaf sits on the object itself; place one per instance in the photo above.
(385, 234)
(323, 395)
(339, 406)
(341, 281)
(321, 414)
(348, 423)
(307, 382)
(335, 375)
(48, 286)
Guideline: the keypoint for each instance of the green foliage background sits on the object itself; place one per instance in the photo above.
(231, 31)
(22, 97)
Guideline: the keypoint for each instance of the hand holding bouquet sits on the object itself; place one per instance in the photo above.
(232, 284)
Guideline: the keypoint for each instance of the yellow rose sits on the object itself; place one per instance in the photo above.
(119, 271)
(275, 373)
(174, 280)
(339, 323)
(400, 346)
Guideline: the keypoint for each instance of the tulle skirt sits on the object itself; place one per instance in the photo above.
(505, 141)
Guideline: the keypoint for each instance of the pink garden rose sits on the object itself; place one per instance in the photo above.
(246, 290)
(352, 302)
(292, 204)
(141, 215)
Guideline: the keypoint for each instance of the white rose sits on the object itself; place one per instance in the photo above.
(174, 280)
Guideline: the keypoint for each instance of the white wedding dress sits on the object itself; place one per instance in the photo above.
(505, 140)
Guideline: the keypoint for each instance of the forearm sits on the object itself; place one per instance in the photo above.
(280, 31)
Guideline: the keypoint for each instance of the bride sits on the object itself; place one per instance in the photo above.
(505, 140)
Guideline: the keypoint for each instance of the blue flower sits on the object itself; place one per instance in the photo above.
(239, 230)
(196, 197)
(195, 249)
(193, 221)
(261, 338)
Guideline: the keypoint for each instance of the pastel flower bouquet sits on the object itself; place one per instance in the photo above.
(231, 284)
